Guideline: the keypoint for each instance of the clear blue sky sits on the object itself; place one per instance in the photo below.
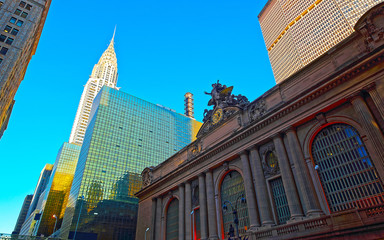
(164, 49)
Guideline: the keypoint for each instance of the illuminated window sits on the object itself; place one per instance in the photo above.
(345, 169)
(28, 7)
(22, 4)
(7, 29)
(271, 159)
(24, 15)
(173, 220)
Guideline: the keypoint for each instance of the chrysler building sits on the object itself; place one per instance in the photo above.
(103, 73)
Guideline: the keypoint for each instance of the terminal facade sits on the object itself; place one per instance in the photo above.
(304, 160)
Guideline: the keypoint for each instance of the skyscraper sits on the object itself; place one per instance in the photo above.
(57, 191)
(23, 213)
(104, 74)
(124, 135)
(21, 26)
(298, 32)
(40, 187)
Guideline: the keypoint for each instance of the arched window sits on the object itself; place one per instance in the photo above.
(173, 220)
(345, 169)
(232, 189)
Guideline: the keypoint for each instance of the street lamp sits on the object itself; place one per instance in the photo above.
(54, 228)
(234, 210)
(192, 230)
(146, 233)
(78, 218)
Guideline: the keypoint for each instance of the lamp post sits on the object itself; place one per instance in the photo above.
(192, 230)
(54, 228)
(145, 235)
(78, 218)
(234, 211)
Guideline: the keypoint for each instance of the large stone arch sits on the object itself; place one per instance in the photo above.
(217, 182)
(166, 201)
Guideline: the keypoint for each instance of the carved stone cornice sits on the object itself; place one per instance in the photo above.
(270, 118)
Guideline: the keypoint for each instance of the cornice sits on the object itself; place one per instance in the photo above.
(268, 119)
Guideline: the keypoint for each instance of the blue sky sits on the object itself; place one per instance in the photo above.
(164, 49)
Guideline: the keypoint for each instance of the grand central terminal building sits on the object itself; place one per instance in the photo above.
(303, 161)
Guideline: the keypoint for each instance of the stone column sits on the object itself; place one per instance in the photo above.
(212, 220)
(153, 220)
(304, 182)
(249, 191)
(203, 207)
(181, 212)
(188, 209)
(158, 219)
(287, 178)
(262, 196)
(379, 103)
(373, 132)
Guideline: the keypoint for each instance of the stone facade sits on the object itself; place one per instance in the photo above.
(21, 24)
(344, 87)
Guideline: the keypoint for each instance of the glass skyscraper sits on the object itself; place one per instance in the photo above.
(58, 188)
(125, 134)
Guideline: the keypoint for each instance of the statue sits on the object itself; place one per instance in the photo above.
(222, 97)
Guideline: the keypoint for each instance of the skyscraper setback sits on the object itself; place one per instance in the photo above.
(297, 32)
(104, 74)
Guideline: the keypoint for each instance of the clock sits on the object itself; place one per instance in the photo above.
(217, 116)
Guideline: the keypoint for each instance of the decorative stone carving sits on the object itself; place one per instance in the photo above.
(194, 149)
(321, 118)
(371, 26)
(226, 166)
(147, 176)
(225, 105)
(257, 110)
(269, 171)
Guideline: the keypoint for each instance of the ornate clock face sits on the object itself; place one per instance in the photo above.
(217, 116)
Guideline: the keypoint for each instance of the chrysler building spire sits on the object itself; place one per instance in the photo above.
(104, 73)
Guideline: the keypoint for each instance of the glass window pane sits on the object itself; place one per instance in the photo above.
(12, 20)
(18, 12)
(19, 23)
(173, 220)
(4, 51)
(9, 41)
(2, 38)
(29, 7)
(345, 169)
(22, 4)
(14, 32)
(24, 15)
(7, 29)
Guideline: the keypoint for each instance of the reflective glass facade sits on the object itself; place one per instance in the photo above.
(58, 189)
(298, 32)
(125, 135)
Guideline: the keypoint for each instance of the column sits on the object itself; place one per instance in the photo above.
(158, 219)
(212, 219)
(153, 220)
(203, 207)
(249, 191)
(305, 185)
(262, 196)
(287, 178)
(376, 99)
(181, 212)
(373, 132)
(188, 210)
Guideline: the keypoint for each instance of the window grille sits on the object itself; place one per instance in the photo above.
(345, 169)
(280, 200)
(173, 220)
(232, 187)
